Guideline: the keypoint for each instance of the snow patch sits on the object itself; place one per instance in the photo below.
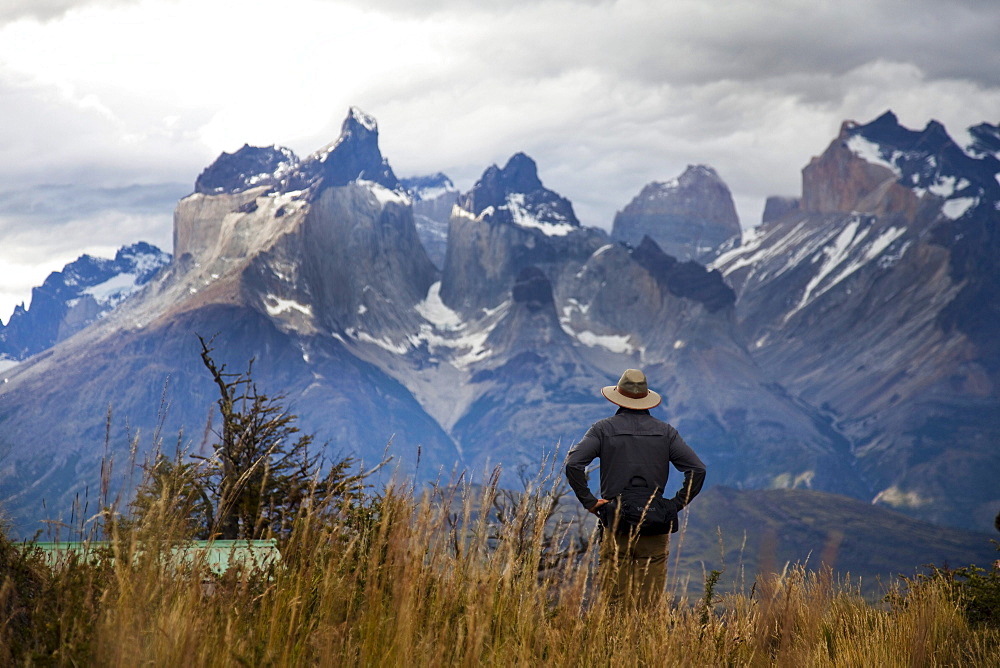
(602, 250)
(364, 120)
(276, 306)
(792, 481)
(871, 152)
(385, 195)
(897, 498)
(616, 343)
(573, 306)
(475, 344)
(114, 290)
(384, 343)
(956, 208)
(523, 218)
(943, 187)
(434, 311)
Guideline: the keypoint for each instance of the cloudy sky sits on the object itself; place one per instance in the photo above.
(111, 108)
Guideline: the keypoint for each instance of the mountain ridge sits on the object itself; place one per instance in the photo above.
(779, 360)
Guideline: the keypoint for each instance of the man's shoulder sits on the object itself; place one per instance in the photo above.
(642, 418)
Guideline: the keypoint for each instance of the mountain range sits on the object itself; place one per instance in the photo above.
(847, 344)
(71, 299)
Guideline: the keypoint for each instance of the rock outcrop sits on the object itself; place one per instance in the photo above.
(508, 222)
(688, 217)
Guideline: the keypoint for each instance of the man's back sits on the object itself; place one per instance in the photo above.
(633, 443)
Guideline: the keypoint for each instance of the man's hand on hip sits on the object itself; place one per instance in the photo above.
(594, 508)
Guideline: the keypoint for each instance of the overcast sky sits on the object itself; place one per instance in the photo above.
(111, 108)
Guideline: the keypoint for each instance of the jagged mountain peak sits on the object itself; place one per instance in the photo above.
(249, 167)
(353, 156)
(520, 174)
(357, 120)
(690, 177)
(896, 145)
(358, 128)
(883, 168)
(514, 195)
(695, 172)
(509, 221)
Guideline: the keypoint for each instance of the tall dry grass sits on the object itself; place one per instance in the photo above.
(455, 575)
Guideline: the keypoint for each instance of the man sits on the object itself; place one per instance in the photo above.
(630, 444)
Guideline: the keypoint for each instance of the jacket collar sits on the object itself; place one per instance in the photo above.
(631, 411)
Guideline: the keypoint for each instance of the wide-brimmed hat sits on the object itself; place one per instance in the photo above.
(632, 391)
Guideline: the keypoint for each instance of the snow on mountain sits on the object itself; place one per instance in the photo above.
(249, 167)
(84, 291)
(930, 162)
(431, 187)
(515, 195)
(877, 300)
(833, 253)
(540, 219)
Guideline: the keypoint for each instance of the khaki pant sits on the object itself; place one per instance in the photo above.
(633, 569)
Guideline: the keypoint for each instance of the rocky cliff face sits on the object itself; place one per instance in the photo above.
(854, 303)
(688, 217)
(508, 222)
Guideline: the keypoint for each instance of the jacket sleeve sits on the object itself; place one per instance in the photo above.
(687, 462)
(580, 455)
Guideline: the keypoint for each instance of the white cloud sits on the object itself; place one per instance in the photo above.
(606, 96)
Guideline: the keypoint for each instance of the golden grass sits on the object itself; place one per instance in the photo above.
(433, 579)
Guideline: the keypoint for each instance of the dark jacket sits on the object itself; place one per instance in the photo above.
(633, 443)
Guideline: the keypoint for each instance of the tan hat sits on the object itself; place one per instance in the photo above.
(632, 391)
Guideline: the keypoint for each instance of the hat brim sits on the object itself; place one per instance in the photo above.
(651, 400)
